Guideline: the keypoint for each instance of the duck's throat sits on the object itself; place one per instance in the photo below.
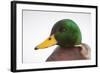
(66, 46)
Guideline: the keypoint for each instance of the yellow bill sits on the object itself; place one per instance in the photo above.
(47, 43)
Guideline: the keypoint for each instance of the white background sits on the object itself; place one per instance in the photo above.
(5, 36)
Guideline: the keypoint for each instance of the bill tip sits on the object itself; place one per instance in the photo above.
(36, 48)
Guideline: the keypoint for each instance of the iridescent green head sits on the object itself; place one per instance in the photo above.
(67, 33)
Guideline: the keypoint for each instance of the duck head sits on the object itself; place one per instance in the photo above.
(64, 33)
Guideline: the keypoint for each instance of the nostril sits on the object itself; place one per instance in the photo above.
(36, 48)
(49, 38)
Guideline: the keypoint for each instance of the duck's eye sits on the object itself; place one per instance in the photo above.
(62, 29)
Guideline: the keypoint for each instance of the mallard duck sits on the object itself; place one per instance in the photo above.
(67, 35)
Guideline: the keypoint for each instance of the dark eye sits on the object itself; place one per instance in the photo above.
(62, 29)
